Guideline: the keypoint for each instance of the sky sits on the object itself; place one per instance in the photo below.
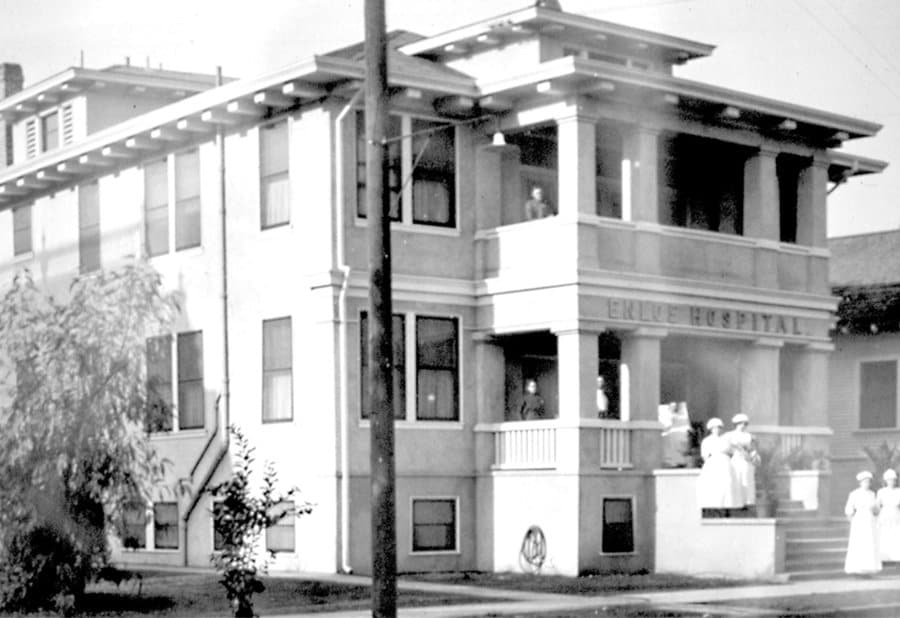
(840, 56)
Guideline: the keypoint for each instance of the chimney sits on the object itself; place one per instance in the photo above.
(11, 82)
(553, 5)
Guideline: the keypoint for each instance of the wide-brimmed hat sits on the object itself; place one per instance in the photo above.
(890, 473)
(865, 474)
(714, 422)
(740, 418)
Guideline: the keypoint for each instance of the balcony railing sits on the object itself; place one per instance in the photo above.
(793, 440)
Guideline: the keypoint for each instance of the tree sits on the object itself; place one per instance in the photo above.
(74, 448)
(241, 516)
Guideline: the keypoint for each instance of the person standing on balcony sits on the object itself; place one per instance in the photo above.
(717, 486)
(888, 500)
(532, 407)
(744, 460)
(862, 546)
(536, 207)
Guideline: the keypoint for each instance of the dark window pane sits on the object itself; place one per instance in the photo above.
(190, 380)
(218, 537)
(618, 526)
(398, 326)
(878, 395)
(434, 173)
(22, 230)
(50, 132)
(165, 525)
(434, 525)
(437, 376)
(134, 534)
(159, 383)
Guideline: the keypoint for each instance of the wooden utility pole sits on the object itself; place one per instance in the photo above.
(380, 361)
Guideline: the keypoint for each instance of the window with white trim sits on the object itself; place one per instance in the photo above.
(618, 526)
(88, 227)
(22, 236)
(134, 526)
(421, 157)
(426, 356)
(50, 131)
(878, 394)
(280, 535)
(274, 176)
(180, 227)
(434, 524)
(186, 362)
(187, 199)
(278, 374)
(156, 207)
(165, 525)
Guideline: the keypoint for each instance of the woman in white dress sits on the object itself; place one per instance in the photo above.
(862, 547)
(744, 459)
(716, 485)
(888, 499)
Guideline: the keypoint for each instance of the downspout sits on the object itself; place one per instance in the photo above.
(225, 397)
(341, 265)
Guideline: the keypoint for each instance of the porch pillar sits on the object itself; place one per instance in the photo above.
(641, 358)
(762, 214)
(578, 353)
(577, 164)
(810, 377)
(760, 381)
(490, 368)
(812, 192)
(640, 181)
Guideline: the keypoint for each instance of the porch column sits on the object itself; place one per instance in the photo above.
(640, 181)
(810, 379)
(490, 375)
(641, 358)
(760, 381)
(577, 156)
(762, 214)
(578, 354)
(812, 192)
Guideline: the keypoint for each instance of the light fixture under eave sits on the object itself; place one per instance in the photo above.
(731, 112)
(787, 125)
(498, 140)
(841, 136)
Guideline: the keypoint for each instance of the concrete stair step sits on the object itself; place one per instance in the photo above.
(794, 546)
(830, 573)
(816, 556)
(816, 533)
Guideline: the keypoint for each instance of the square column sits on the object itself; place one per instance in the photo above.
(640, 175)
(760, 381)
(809, 380)
(578, 353)
(762, 214)
(812, 193)
(641, 359)
(576, 145)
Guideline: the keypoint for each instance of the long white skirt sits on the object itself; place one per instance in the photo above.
(717, 485)
(862, 547)
(746, 479)
(889, 533)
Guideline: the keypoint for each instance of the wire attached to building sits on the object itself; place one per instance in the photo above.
(533, 552)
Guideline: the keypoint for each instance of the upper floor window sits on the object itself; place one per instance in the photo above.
(22, 230)
(159, 193)
(878, 394)
(274, 177)
(50, 131)
(422, 162)
(88, 227)
(278, 375)
(188, 390)
(190, 380)
(430, 363)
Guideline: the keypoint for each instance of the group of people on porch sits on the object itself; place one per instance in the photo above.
(874, 524)
(727, 481)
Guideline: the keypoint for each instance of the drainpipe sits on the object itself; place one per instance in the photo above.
(340, 263)
(225, 397)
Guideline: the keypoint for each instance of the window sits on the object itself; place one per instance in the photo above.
(159, 383)
(436, 369)
(218, 537)
(787, 169)
(421, 158)
(280, 535)
(434, 524)
(274, 178)
(50, 131)
(88, 228)
(134, 533)
(22, 230)
(156, 207)
(187, 200)
(278, 404)
(878, 394)
(618, 526)
(399, 370)
(190, 380)
(165, 525)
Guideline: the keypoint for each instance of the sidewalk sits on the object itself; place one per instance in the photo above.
(509, 602)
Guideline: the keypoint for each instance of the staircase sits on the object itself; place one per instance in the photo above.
(815, 546)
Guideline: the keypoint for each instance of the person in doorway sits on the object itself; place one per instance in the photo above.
(744, 460)
(717, 486)
(532, 407)
(862, 546)
(536, 207)
(888, 500)
(602, 399)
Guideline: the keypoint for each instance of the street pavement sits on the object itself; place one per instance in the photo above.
(875, 596)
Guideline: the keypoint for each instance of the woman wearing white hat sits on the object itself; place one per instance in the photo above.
(862, 547)
(716, 485)
(744, 459)
(888, 499)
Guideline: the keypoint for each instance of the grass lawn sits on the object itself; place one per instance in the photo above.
(585, 585)
(165, 594)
